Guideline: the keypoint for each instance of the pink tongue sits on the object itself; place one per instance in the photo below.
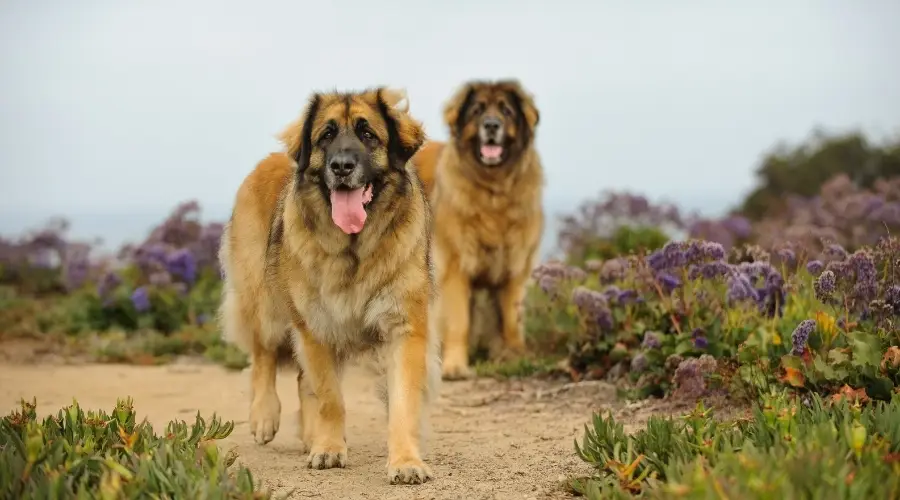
(347, 209)
(491, 151)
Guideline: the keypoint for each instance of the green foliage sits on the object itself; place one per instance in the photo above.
(152, 347)
(170, 308)
(788, 448)
(803, 169)
(78, 454)
(624, 240)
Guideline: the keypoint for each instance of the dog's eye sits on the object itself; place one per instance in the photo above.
(327, 135)
(507, 111)
(367, 135)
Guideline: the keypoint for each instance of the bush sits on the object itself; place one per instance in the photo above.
(787, 448)
(169, 285)
(78, 454)
(616, 224)
(690, 319)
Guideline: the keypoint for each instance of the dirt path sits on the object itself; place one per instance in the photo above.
(490, 439)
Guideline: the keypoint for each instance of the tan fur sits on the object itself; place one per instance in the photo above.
(293, 277)
(488, 222)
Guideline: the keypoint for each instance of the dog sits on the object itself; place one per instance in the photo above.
(485, 187)
(327, 257)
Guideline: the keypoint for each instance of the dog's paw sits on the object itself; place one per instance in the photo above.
(408, 472)
(265, 417)
(508, 353)
(327, 457)
(456, 372)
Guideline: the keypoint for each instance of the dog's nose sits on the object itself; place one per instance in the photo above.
(343, 163)
(491, 125)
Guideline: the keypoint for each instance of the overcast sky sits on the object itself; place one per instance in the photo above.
(111, 112)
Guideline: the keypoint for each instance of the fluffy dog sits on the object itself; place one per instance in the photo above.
(327, 252)
(485, 187)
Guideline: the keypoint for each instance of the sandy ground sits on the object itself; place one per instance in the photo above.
(489, 439)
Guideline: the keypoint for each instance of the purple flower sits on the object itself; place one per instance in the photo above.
(548, 284)
(690, 376)
(708, 270)
(698, 335)
(76, 265)
(668, 282)
(639, 363)
(866, 286)
(651, 340)
(892, 297)
(739, 226)
(712, 250)
(824, 285)
(627, 296)
(788, 256)
(140, 298)
(835, 251)
(739, 287)
(108, 283)
(181, 263)
(800, 336)
(815, 267)
(594, 305)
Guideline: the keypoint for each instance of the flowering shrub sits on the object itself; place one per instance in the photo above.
(841, 212)
(686, 318)
(616, 224)
(169, 284)
(78, 454)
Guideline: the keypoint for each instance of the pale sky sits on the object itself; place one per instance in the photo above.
(112, 112)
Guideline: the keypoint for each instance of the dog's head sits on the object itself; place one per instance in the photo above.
(350, 147)
(494, 121)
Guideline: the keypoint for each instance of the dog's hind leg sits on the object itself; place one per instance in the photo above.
(510, 298)
(268, 336)
(308, 410)
(454, 321)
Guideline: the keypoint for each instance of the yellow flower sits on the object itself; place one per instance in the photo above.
(826, 323)
(776, 339)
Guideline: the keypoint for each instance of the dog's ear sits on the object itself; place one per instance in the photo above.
(455, 109)
(525, 103)
(297, 137)
(406, 134)
(396, 98)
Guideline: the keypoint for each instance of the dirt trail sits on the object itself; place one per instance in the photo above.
(489, 439)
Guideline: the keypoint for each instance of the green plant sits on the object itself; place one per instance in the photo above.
(788, 447)
(94, 454)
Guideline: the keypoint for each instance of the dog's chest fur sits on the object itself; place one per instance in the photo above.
(494, 233)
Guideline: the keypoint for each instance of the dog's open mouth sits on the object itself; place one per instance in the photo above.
(491, 154)
(348, 208)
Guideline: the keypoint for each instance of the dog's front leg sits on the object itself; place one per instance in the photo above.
(328, 446)
(407, 372)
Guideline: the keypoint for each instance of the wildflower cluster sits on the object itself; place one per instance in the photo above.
(674, 320)
(168, 284)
